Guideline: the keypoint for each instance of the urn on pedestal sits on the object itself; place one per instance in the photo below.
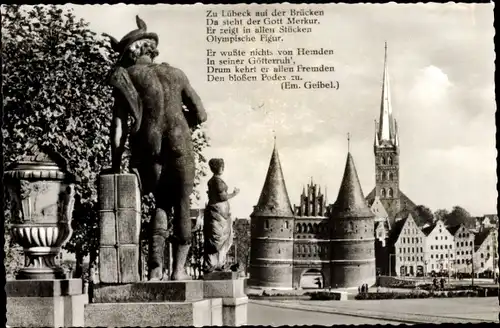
(41, 191)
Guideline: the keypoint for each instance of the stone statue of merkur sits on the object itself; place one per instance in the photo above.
(164, 108)
(218, 224)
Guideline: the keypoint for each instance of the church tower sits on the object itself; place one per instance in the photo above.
(272, 228)
(386, 149)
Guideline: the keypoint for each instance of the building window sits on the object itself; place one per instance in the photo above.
(432, 266)
(267, 224)
(436, 237)
(391, 176)
(441, 246)
(390, 193)
(389, 160)
(482, 265)
(482, 255)
(441, 256)
(432, 256)
(383, 160)
(382, 193)
(286, 225)
(432, 247)
(445, 246)
(446, 255)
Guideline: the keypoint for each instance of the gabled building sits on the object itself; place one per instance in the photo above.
(407, 245)
(464, 248)
(486, 251)
(486, 221)
(386, 149)
(381, 247)
(439, 248)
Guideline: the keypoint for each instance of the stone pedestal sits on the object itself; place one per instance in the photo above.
(155, 303)
(45, 303)
(142, 314)
(234, 299)
(150, 291)
(120, 227)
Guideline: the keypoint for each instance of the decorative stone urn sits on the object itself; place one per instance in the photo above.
(41, 192)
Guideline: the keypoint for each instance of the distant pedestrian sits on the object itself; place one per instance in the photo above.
(366, 288)
(363, 289)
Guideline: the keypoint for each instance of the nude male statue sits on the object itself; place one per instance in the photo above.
(156, 96)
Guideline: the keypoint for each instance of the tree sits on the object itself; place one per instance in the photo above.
(459, 215)
(56, 93)
(242, 242)
(440, 214)
(422, 215)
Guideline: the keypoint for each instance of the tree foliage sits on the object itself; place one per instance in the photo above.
(422, 215)
(459, 215)
(242, 242)
(55, 92)
(440, 214)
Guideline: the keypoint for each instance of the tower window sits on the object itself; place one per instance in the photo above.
(382, 193)
(389, 160)
(390, 193)
(382, 160)
(391, 176)
(267, 224)
(286, 224)
(299, 230)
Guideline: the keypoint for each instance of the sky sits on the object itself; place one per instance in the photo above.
(441, 67)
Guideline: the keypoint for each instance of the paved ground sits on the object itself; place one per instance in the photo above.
(453, 310)
(270, 315)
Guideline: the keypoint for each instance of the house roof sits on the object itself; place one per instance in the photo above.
(396, 230)
(427, 230)
(406, 203)
(378, 208)
(481, 236)
(453, 230)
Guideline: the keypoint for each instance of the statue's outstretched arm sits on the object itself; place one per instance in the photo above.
(192, 101)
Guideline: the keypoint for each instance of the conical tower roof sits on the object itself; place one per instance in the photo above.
(274, 200)
(351, 202)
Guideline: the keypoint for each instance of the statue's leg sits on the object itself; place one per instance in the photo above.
(159, 227)
(159, 233)
(184, 182)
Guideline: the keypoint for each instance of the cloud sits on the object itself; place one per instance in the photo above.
(441, 60)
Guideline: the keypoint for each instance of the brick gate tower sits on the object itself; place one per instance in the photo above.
(272, 224)
(352, 243)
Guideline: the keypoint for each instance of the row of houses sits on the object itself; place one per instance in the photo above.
(406, 249)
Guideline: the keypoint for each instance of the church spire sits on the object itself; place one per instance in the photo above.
(351, 201)
(274, 199)
(386, 128)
